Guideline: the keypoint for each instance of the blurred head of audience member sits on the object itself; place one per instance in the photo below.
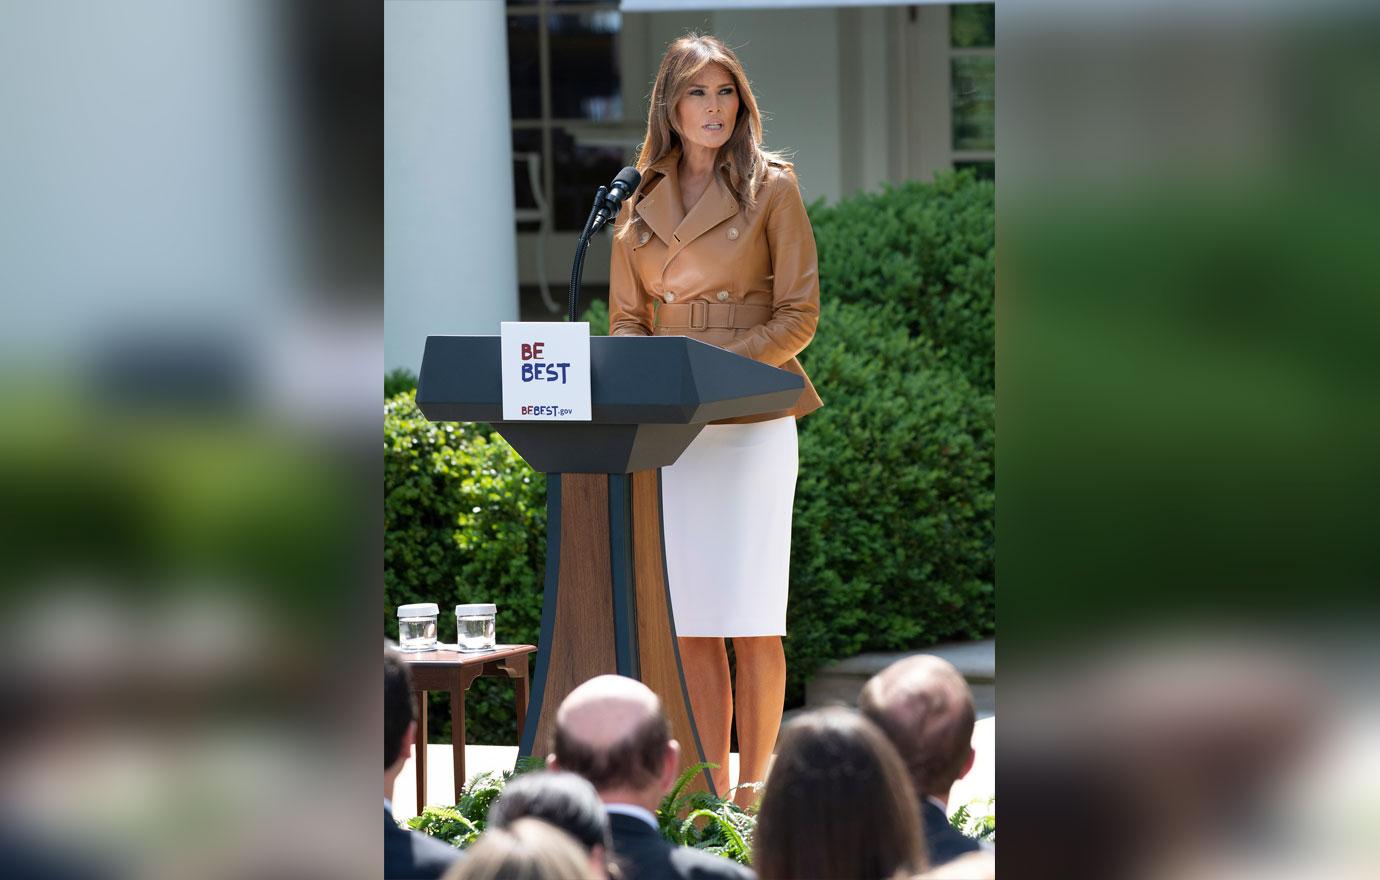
(527, 849)
(405, 853)
(924, 706)
(611, 731)
(1169, 753)
(837, 803)
(563, 799)
(399, 725)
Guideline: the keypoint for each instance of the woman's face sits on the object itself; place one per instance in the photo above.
(706, 112)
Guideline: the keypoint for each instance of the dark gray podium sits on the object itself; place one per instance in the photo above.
(606, 607)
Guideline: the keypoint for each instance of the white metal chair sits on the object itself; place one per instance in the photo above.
(540, 214)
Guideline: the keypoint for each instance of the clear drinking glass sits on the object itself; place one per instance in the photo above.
(474, 627)
(417, 626)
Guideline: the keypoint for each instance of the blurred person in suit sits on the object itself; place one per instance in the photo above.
(838, 803)
(565, 800)
(611, 730)
(406, 853)
(527, 849)
(925, 708)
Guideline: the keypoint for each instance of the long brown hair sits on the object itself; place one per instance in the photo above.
(838, 803)
(742, 161)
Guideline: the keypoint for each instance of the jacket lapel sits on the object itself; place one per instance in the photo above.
(660, 208)
(714, 207)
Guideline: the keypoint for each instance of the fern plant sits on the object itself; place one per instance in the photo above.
(713, 824)
(462, 824)
(448, 824)
(977, 819)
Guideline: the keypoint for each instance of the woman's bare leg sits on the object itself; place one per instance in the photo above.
(761, 689)
(705, 661)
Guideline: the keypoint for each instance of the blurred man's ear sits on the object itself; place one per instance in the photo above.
(968, 764)
(551, 762)
(671, 767)
(405, 748)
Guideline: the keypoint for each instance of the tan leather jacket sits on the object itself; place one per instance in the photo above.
(746, 281)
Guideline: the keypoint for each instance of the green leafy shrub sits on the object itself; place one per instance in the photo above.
(397, 381)
(185, 504)
(893, 542)
(598, 317)
(929, 248)
(464, 521)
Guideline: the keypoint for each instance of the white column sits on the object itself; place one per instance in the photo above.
(867, 99)
(928, 111)
(450, 252)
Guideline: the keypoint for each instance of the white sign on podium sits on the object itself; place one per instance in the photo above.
(545, 371)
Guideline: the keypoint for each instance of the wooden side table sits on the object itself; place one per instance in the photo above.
(453, 671)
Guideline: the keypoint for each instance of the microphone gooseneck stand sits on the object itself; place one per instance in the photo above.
(577, 269)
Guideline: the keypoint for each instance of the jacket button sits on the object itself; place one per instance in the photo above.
(722, 295)
(644, 237)
(732, 233)
(670, 297)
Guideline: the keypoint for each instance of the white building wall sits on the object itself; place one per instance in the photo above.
(793, 60)
(450, 255)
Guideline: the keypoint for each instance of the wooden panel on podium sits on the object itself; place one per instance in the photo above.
(658, 657)
(582, 637)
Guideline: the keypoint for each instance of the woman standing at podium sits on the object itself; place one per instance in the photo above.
(715, 245)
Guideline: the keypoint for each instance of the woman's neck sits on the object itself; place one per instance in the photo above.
(696, 162)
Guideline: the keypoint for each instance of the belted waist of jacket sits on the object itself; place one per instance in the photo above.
(743, 278)
(702, 315)
(717, 323)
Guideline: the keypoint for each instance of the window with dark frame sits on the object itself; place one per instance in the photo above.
(564, 78)
(973, 84)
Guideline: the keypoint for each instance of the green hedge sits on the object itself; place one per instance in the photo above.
(464, 521)
(893, 541)
(929, 248)
(892, 544)
(397, 381)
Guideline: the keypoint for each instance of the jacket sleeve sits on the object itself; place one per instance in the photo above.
(795, 286)
(630, 309)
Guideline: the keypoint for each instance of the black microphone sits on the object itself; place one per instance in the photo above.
(623, 186)
(607, 201)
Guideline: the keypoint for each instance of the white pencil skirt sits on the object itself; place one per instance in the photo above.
(726, 506)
